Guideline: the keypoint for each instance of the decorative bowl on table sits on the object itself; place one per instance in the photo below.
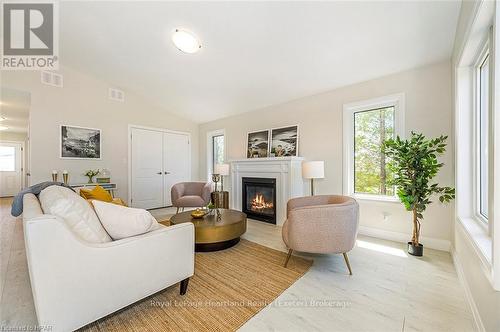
(198, 213)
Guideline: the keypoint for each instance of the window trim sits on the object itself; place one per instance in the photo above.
(210, 150)
(484, 51)
(398, 102)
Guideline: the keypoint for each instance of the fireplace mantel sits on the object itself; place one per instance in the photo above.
(286, 170)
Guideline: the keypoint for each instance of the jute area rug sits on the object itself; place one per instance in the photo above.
(229, 287)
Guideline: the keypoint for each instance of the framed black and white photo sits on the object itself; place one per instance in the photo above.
(285, 141)
(80, 142)
(258, 144)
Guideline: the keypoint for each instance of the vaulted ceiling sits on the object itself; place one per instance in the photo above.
(254, 54)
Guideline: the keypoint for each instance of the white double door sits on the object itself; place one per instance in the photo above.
(159, 159)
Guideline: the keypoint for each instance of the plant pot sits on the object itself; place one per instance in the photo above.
(415, 250)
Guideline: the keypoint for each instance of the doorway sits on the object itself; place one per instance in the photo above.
(14, 141)
(158, 159)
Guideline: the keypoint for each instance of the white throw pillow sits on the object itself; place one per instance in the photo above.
(121, 222)
(75, 211)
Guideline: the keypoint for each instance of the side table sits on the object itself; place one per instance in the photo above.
(220, 199)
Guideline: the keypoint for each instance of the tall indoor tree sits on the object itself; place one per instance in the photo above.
(414, 163)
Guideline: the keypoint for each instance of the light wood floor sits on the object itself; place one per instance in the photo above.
(389, 290)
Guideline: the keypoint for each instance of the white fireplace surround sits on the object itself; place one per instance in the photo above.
(286, 170)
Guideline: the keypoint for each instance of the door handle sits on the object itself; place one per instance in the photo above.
(159, 173)
(167, 173)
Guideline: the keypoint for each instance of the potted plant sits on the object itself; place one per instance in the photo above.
(414, 163)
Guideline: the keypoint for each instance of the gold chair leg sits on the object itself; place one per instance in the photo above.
(288, 257)
(177, 210)
(347, 263)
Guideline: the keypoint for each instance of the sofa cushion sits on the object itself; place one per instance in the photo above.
(190, 201)
(98, 193)
(75, 211)
(121, 222)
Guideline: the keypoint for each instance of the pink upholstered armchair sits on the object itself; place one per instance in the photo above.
(191, 194)
(325, 224)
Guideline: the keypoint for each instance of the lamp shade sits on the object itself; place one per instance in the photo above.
(222, 169)
(313, 170)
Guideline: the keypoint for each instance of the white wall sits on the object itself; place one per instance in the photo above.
(8, 136)
(83, 102)
(428, 110)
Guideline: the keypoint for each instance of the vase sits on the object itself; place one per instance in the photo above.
(90, 179)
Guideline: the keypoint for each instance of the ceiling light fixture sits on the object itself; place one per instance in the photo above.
(3, 128)
(186, 41)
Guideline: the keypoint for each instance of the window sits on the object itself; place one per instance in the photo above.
(7, 159)
(371, 129)
(482, 115)
(218, 150)
(366, 126)
(216, 153)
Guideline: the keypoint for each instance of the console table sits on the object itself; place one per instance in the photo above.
(110, 187)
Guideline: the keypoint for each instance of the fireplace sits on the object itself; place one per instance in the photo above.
(259, 198)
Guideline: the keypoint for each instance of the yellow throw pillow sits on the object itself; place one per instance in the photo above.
(98, 193)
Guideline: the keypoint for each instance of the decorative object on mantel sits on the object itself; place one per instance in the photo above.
(90, 174)
(54, 175)
(413, 163)
(80, 142)
(65, 177)
(258, 144)
(313, 170)
(104, 176)
(285, 141)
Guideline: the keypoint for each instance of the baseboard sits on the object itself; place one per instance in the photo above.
(468, 293)
(428, 242)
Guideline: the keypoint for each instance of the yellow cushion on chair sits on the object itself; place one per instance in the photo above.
(98, 193)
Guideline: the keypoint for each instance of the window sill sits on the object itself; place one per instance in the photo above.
(377, 198)
(480, 241)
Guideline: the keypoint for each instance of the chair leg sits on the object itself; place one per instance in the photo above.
(347, 262)
(182, 209)
(288, 257)
(184, 286)
(177, 210)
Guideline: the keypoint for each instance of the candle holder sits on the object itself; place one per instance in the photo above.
(65, 178)
(215, 179)
(54, 176)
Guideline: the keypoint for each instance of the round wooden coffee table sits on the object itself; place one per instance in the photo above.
(213, 233)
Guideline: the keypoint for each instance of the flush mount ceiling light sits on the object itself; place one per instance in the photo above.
(186, 41)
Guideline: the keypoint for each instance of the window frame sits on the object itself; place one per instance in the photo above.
(349, 110)
(210, 150)
(483, 53)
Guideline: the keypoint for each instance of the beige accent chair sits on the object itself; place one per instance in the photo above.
(191, 194)
(326, 224)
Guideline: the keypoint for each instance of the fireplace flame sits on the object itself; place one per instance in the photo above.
(259, 203)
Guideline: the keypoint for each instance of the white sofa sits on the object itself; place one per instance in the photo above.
(75, 282)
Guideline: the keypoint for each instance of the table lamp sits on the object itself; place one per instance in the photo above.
(313, 170)
(222, 170)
